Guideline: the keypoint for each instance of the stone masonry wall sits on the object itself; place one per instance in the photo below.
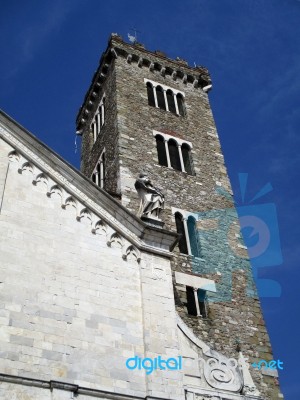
(107, 138)
(238, 318)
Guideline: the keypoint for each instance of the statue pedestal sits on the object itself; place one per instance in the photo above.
(156, 223)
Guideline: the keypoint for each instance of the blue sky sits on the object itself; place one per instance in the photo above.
(50, 50)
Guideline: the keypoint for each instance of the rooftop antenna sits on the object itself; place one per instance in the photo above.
(133, 39)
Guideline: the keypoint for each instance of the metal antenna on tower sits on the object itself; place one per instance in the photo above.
(133, 39)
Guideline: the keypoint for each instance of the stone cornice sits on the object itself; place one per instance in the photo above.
(90, 200)
(136, 53)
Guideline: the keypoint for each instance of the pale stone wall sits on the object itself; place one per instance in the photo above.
(72, 309)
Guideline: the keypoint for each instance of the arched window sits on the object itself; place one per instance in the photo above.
(185, 149)
(174, 154)
(161, 150)
(98, 175)
(150, 92)
(181, 232)
(180, 104)
(193, 236)
(103, 171)
(97, 123)
(102, 112)
(171, 101)
(99, 118)
(160, 97)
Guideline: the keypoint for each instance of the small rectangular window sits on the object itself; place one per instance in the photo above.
(193, 295)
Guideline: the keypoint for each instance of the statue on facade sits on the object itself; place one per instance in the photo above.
(152, 200)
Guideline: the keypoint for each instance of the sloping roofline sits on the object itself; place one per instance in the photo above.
(148, 238)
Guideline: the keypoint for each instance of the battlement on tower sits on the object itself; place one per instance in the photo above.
(137, 54)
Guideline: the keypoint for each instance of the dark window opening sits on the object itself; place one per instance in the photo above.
(160, 98)
(186, 155)
(103, 111)
(161, 151)
(202, 302)
(94, 178)
(181, 232)
(193, 236)
(97, 124)
(190, 300)
(103, 170)
(171, 101)
(180, 104)
(151, 100)
(101, 117)
(174, 155)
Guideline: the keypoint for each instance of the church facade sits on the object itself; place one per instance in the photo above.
(105, 294)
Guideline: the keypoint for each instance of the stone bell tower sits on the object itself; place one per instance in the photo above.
(145, 112)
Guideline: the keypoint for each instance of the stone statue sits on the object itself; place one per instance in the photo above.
(152, 200)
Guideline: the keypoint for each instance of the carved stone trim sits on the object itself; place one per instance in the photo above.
(54, 187)
(54, 170)
(219, 372)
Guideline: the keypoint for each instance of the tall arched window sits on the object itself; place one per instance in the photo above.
(160, 97)
(174, 154)
(150, 92)
(161, 150)
(193, 236)
(103, 172)
(98, 175)
(102, 112)
(186, 158)
(171, 101)
(99, 118)
(180, 104)
(181, 232)
(164, 97)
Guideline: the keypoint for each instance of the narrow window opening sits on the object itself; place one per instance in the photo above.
(181, 232)
(103, 170)
(180, 104)
(171, 101)
(186, 155)
(174, 154)
(99, 172)
(98, 175)
(103, 112)
(193, 236)
(97, 124)
(160, 97)
(190, 299)
(151, 100)
(202, 302)
(161, 151)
